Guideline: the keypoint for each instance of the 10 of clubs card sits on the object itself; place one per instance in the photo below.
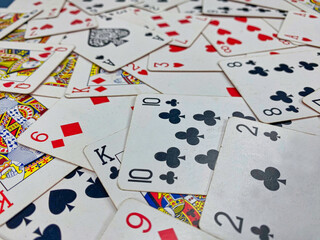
(179, 139)
(270, 193)
(274, 85)
(25, 65)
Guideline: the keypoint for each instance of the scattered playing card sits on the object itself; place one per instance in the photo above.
(311, 6)
(313, 100)
(277, 4)
(159, 5)
(191, 7)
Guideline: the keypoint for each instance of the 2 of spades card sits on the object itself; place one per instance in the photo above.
(273, 86)
(80, 121)
(270, 166)
(241, 35)
(25, 65)
(90, 80)
(21, 168)
(158, 5)
(183, 136)
(313, 100)
(78, 200)
(102, 45)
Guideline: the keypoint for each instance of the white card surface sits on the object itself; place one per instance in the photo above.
(278, 4)
(89, 80)
(26, 65)
(154, 225)
(263, 175)
(159, 6)
(179, 136)
(266, 83)
(313, 100)
(104, 45)
(81, 121)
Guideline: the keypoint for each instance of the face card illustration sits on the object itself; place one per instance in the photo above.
(22, 168)
(310, 6)
(201, 56)
(24, 66)
(282, 4)
(10, 20)
(62, 209)
(313, 100)
(90, 80)
(307, 34)
(70, 19)
(182, 28)
(263, 174)
(154, 224)
(157, 6)
(99, 6)
(231, 8)
(208, 83)
(183, 139)
(240, 35)
(266, 83)
(82, 121)
(103, 45)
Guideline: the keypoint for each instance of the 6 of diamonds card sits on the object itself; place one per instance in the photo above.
(179, 138)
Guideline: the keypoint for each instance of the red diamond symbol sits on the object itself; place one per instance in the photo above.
(99, 100)
(98, 80)
(184, 21)
(168, 234)
(71, 129)
(172, 33)
(100, 89)
(162, 25)
(57, 143)
(233, 92)
(156, 17)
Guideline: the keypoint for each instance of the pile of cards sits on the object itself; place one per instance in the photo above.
(158, 119)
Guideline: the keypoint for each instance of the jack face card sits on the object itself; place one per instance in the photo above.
(313, 100)
(240, 35)
(21, 168)
(102, 45)
(179, 137)
(266, 83)
(307, 34)
(90, 80)
(135, 220)
(158, 5)
(70, 19)
(24, 66)
(81, 121)
(260, 158)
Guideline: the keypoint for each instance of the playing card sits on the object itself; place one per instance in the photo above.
(201, 56)
(90, 80)
(260, 158)
(307, 125)
(191, 7)
(78, 200)
(25, 65)
(10, 20)
(306, 34)
(230, 8)
(70, 19)
(51, 8)
(277, 4)
(81, 121)
(157, 6)
(21, 168)
(153, 224)
(184, 83)
(99, 6)
(266, 83)
(311, 6)
(186, 133)
(103, 45)
(182, 28)
(105, 157)
(313, 100)
(240, 35)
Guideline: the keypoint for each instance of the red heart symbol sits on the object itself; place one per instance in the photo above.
(263, 37)
(313, 16)
(273, 53)
(48, 48)
(46, 26)
(34, 28)
(75, 12)
(176, 48)
(88, 20)
(241, 19)
(220, 42)
(252, 28)
(306, 39)
(177, 65)
(210, 48)
(44, 55)
(214, 22)
(222, 31)
(62, 10)
(77, 21)
(233, 41)
(37, 3)
(8, 84)
(275, 35)
(143, 72)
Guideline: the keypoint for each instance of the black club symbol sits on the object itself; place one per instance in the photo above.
(172, 102)
(284, 67)
(209, 117)
(173, 115)
(169, 177)
(308, 66)
(281, 96)
(210, 158)
(270, 178)
(171, 157)
(260, 71)
(263, 232)
(273, 135)
(191, 135)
